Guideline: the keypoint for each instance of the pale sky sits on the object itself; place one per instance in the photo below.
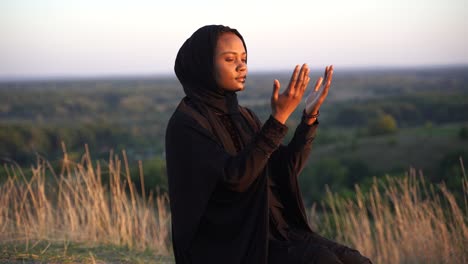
(108, 37)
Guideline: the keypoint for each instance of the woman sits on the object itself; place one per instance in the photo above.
(233, 188)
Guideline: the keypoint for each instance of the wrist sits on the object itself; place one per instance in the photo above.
(280, 118)
(311, 118)
(310, 121)
(312, 114)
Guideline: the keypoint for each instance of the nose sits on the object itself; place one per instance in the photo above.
(242, 66)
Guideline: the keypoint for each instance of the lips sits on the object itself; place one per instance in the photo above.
(241, 78)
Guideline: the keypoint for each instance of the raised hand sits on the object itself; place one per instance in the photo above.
(320, 92)
(284, 104)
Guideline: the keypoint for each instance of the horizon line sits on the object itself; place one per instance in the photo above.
(166, 75)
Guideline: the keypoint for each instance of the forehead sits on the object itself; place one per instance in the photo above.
(229, 42)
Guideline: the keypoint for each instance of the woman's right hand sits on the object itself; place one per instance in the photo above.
(284, 104)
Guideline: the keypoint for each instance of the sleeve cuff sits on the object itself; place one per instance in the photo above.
(271, 135)
(306, 131)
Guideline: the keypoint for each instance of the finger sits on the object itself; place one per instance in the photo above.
(297, 87)
(306, 83)
(328, 83)
(328, 71)
(276, 87)
(325, 74)
(318, 83)
(307, 80)
(292, 82)
(329, 75)
(299, 90)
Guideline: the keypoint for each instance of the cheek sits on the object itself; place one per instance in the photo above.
(221, 73)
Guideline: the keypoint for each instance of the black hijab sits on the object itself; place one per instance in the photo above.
(194, 68)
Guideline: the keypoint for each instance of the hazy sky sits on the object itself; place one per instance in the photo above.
(95, 37)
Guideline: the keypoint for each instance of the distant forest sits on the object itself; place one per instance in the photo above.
(374, 122)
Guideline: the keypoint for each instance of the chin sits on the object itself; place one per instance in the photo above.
(234, 88)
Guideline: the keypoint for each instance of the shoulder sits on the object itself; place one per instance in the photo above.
(187, 117)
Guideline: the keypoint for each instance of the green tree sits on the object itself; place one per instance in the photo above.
(328, 171)
(463, 133)
(450, 169)
(357, 170)
(384, 124)
(155, 175)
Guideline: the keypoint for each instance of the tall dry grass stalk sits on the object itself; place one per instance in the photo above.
(78, 206)
(400, 221)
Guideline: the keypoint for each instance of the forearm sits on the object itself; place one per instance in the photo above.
(291, 159)
(241, 170)
(304, 135)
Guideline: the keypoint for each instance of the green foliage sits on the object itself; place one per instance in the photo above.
(357, 170)
(353, 115)
(21, 142)
(384, 124)
(155, 175)
(340, 175)
(407, 109)
(463, 133)
(450, 169)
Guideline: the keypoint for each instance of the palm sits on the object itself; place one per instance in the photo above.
(282, 105)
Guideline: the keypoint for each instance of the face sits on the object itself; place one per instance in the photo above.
(230, 63)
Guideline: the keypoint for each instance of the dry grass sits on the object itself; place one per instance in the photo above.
(77, 206)
(400, 221)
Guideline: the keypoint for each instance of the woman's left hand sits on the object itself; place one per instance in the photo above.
(316, 97)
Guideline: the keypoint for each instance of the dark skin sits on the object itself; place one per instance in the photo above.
(284, 104)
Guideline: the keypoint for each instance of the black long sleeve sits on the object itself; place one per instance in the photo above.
(290, 160)
(238, 171)
(242, 169)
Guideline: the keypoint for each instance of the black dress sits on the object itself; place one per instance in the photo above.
(232, 185)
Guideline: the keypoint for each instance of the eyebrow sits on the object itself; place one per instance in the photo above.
(232, 52)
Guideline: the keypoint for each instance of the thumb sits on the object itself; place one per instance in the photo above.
(276, 87)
